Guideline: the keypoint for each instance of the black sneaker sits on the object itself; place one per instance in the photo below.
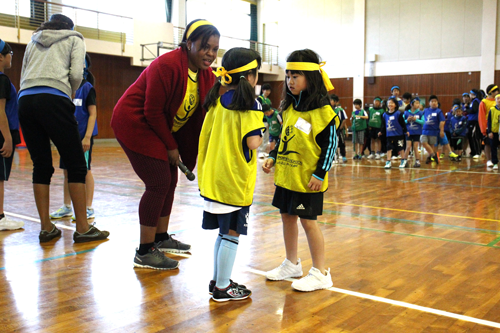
(173, 246)
(46, 236)
(417, 164)
(154, 259)
(93, 234)
(211, 286)
(428, 160)
(435, 158)
(231, 293)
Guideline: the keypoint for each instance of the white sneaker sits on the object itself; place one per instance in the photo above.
(495, 167)
(315, 280)
(377, 156)
(489, 164)
(284, 271)
(476, 157)
(371, 156)
(7, 224)
(394, 158)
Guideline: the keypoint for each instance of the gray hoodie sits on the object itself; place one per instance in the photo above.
(54, 58)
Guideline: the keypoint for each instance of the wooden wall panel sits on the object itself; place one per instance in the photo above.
(446, 86)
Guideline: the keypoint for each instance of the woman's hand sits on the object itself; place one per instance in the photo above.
(173, 157)
(268, 164)
(6, 150)
(315, 184)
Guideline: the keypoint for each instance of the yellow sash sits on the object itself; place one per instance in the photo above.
(224, 175)
(298, 153)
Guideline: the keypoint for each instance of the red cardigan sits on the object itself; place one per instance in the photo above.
(143, 117)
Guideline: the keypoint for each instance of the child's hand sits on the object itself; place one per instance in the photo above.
(408, 134)
(490, 135)
(315, 184)
(268, 164)
(441, 134)
(379, 133)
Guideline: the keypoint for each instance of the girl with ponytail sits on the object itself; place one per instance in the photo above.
(227, 163)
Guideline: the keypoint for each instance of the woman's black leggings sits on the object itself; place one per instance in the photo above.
(46, 117)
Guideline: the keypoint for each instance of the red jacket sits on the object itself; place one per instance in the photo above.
(143, 117)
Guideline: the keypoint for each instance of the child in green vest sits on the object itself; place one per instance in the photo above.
(273, 118)
(374, 124)
(358, 119)
(493, 131)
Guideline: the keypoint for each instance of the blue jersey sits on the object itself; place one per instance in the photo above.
(432, 119)
(11, 107)
(473, 116)
(413, 127)
(81, 109)
(458, 126)
(392, 125)
(447, 126)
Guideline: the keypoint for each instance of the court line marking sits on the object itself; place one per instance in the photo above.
(51, 258)
(424, 169)
(398, 210)
(32, 219)
(401, 304)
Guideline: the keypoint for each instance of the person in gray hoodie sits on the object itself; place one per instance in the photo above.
(51, 73)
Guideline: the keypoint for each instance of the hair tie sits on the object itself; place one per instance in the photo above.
(224, 74)
(195, 26)
(310, 67)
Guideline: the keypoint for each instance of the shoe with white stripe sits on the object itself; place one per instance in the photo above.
(284, 271)
(315, 280)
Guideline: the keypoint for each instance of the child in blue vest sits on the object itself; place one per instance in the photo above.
(414, 122)
(394, 129)
(9, 130)
(458, 126)
(303, 159)
(86, 117)
(227, 165)
(359, 125)
(433, 128)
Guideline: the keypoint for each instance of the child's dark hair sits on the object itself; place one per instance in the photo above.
(86, 72)
(490, 87)
(395, 101)
(57, 22)
(244, 93)
(334, 97)
(477, 93)
(433, 97)
(456, 101)
(204, 32)
(317, 96)
(6, 48)
(265, 86)
(357, 101)
(407, 95)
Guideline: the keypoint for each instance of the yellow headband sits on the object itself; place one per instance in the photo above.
(311, 66)
(195, 26)
(492, 89)
(498, 95)
(226, 78)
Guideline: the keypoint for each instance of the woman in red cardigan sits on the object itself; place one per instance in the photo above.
(157, 122)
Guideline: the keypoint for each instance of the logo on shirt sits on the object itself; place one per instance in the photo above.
(286, 139)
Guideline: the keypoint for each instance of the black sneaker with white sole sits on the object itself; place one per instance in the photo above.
(211, 286)
(47, 236)
(93, 234)
(154, 259)
(231, 293)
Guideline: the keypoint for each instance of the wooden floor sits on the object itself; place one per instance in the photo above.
(412, 250)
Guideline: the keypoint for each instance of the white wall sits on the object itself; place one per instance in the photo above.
(403, 30)
(313, 24)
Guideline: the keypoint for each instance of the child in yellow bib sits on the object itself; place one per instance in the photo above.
(227, 163)
(303, 158)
